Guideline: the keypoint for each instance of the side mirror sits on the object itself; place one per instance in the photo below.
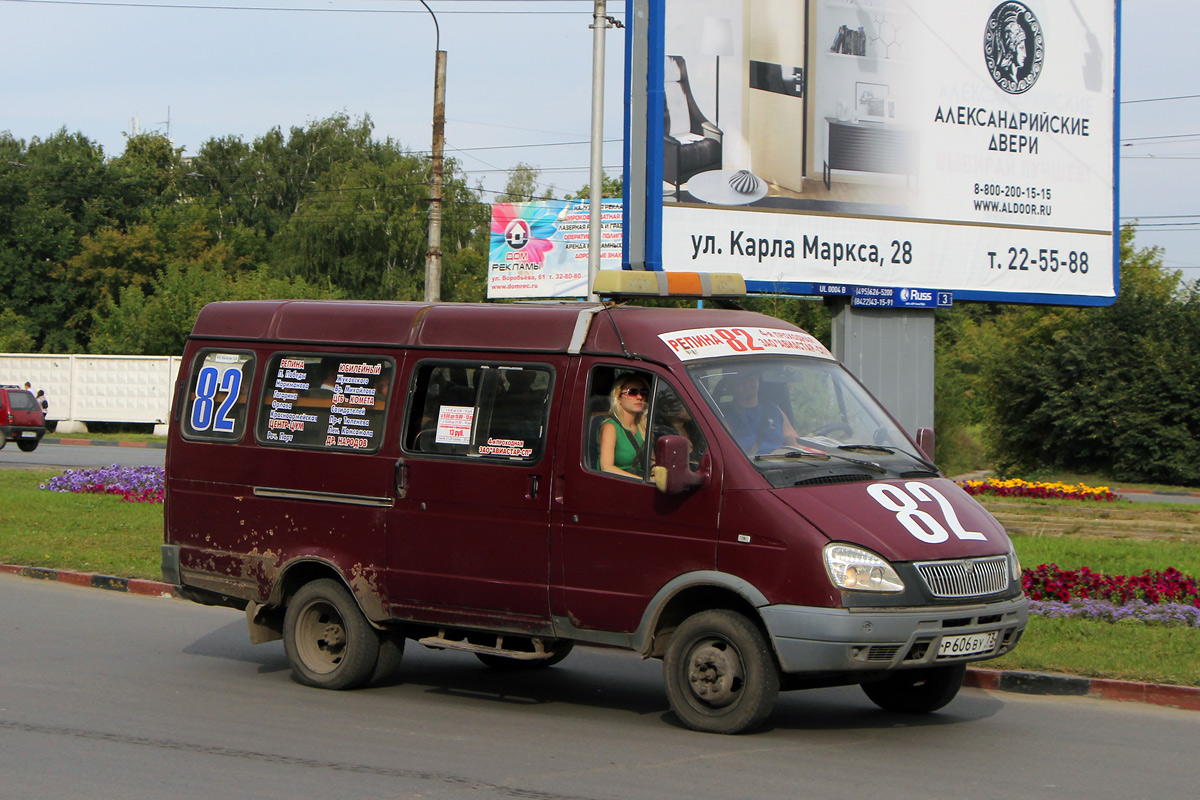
(673, 474)
(925, 442)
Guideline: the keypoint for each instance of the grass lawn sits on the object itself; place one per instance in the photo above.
(79, 532)
(100, 533)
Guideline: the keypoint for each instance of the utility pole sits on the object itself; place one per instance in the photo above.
(433, 256)
(600, 23)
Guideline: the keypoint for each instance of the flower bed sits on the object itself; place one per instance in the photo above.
(132, 484)
(1166, 614)
(1048, 582)
(1015, 487)
(1162, 598)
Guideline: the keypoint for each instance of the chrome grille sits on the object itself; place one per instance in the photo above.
(968, 577)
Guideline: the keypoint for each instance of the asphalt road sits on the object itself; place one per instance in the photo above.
(66, 456)
(110, 695)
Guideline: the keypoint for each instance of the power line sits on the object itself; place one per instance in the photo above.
(196, 7)
(1161, 99)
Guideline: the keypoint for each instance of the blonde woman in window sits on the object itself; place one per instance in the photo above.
(623, 434)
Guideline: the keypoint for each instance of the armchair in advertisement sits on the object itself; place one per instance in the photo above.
(691, 144)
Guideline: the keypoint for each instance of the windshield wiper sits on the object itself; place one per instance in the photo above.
(883, 448)
(806, 454)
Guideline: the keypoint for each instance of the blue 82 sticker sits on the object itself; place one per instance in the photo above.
(205, 412)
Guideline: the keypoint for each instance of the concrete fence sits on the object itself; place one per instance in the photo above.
(83, 389)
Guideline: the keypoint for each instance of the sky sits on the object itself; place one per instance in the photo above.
(519, 76)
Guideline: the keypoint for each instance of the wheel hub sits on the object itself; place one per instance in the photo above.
(715, 673)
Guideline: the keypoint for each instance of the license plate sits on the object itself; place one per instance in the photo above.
(967, 645)
(28, 435)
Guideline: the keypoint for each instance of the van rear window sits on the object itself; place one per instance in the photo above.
(218, 393)
(328, 402)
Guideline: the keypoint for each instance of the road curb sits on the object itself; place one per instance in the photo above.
(103, 443)
(1185, 697)
(94, 580)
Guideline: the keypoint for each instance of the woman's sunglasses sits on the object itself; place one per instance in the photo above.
(634, 391)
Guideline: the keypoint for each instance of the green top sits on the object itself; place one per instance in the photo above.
(626, 455)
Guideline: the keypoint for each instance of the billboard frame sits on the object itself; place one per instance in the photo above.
(644, 56)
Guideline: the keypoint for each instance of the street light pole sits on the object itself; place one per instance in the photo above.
(433, 256)
(600, 23)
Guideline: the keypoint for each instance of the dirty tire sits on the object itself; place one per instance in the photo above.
(328, 642)
(560, 649)
(917, 691)
(719, 673)
(27, 447)
(391, 653)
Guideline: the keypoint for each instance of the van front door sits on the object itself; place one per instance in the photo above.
(468, 538)
(616, 539)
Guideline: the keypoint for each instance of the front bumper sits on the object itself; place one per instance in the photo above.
(816, 640)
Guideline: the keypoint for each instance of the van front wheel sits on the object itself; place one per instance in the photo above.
(917, 691)
(328, 642)
(719, 673)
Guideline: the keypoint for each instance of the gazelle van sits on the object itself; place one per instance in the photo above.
(355, 475)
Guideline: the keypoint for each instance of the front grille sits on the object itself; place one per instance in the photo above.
(969, 577)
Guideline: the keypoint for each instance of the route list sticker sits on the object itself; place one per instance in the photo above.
(334, 402)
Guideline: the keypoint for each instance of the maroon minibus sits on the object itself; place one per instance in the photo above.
(354, 475)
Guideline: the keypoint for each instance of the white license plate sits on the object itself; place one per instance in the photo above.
(967, 645)
(28, 435)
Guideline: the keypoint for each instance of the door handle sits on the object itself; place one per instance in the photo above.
(533, 487)
(401, 478)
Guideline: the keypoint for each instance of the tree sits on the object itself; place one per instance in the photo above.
(1108, 390)
(609, 188)
(158, 323)
(14, 333)
(523, 186)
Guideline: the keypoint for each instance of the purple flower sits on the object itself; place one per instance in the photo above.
(133, 484)
(1134, 611)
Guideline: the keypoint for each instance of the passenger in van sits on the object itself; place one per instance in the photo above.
(672, 418)
(623, 434)
(758, 426)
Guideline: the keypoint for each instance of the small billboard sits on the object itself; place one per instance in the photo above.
(540, 249)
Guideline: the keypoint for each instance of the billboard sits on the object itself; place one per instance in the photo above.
(897, 152)
(540, 249)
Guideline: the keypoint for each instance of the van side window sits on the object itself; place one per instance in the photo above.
(218, 394)
(618, 414)
(493, 411)
(327, 402)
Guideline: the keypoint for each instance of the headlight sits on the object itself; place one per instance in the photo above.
(857, 570)
(1014, 563)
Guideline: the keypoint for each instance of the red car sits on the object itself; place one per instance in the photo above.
(21, 418)
(707, 487)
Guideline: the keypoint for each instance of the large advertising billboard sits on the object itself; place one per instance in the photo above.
(540, 249)
(901, 152)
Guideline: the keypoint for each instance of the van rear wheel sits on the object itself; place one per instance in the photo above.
(917, 691)
(328, 642)
(719, 673)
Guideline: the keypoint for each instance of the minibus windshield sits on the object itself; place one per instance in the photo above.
(787, 410)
